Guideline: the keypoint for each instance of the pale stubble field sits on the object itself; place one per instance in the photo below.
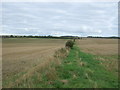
(23, 54)
(105, 50)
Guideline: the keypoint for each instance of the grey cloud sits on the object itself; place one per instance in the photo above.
(60, 18)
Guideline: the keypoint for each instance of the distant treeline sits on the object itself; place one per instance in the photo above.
(60, 37)
(113, 37)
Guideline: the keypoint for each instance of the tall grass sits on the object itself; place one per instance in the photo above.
(40, 74)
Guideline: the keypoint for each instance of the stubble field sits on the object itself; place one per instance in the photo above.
(105, 50)
(22, 54)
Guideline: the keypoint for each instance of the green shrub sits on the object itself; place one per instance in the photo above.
(69, 44)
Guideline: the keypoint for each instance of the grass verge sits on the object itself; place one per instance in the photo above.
(82, 70)
(73, 70)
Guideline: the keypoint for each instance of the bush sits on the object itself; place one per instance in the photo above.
(69, 44)
(61, 53)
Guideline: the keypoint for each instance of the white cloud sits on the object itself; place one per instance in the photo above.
(60, 18)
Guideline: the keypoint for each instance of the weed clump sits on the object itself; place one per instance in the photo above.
(61, 53)
(69, 44)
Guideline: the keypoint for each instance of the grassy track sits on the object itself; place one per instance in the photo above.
(77, 70)
(82, 70)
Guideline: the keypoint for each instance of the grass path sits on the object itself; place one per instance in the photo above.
(82, 70)
(77, 70)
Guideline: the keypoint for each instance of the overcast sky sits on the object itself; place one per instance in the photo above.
(58, 18)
